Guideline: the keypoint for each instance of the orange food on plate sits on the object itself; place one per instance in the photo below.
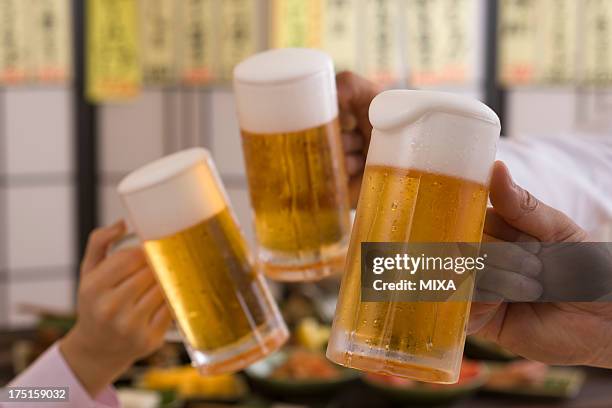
(469, 371)
(517, 373)
(305, 365)
(391, 380)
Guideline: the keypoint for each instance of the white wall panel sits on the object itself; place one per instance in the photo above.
(540, 111)
(111, 208)
(131, 134)
(225, 134)
(40, 227)
(38, 131)
(239, 197)
(57, 294)
(3, 232)
(3, 305)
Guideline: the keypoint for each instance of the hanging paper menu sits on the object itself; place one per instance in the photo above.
(197, 41)
(517, 41)
(113, 69)
(423, 58)
(442, 41)
(13, 45)
(456, 43)
(296, 23)
(556, 41)
(597, 47)
(158, 25)
(340, 32)
(381, 51)
(238, 34)
(50, 38)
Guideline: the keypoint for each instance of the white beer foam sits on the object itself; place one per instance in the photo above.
(285, 90)
(173, 193)
(435, 132)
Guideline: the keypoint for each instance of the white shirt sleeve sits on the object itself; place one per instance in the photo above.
(51, 370)
(572, 173)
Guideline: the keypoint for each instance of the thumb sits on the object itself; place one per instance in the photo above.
(523, 211)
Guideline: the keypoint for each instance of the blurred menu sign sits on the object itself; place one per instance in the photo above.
(113, 69)
(518, 22)
(296, 23)
(197, 41)
(380, 60)
(158, 25)
(597, 48)
(340, 32)
(557, 27)
(238, 34)
(13, 41)
(456, 23)
(422, 42)
(50, 40)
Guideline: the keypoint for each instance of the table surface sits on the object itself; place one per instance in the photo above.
(596, 392)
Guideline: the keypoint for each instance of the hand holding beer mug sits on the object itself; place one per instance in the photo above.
(223, 307)
(288, 109)
(426, 181)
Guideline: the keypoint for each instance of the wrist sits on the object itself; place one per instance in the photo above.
(94, 368)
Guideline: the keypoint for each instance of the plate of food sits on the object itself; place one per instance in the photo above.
(534, 379)
(299, 372)
(187, 384)
(473, 376)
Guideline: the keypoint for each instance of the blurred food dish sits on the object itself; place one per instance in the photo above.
(534, 379)
(299, 372)
(401, 390)
(312, 335)
(189, 384)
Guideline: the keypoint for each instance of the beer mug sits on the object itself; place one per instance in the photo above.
(288, 114)
(426, 181)
(223, 307)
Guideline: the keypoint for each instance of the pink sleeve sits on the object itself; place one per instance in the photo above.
(51, 370)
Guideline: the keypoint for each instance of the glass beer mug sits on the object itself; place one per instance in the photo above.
(426, 181)
(223, 307)
(288, 114)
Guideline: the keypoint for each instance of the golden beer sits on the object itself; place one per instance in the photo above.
(307, 210)
(204, 271)
(193, 243)
(404, 199)
(294, 162)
